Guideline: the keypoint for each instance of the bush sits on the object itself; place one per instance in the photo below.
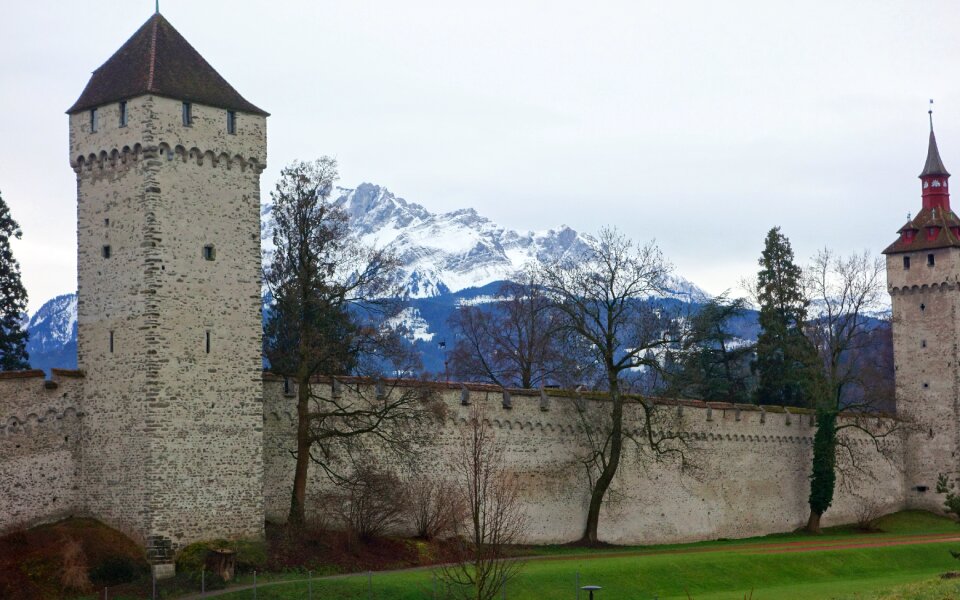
(372, 503)
(115, 570)
(434, 507)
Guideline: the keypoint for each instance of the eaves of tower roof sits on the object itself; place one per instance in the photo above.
(942, 220)
(158, 60)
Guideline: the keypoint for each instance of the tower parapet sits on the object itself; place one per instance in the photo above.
(168, 159)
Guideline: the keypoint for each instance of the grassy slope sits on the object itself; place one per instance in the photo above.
(706, 576)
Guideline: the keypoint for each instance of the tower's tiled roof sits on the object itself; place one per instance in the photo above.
(943, 220)
(158, 60)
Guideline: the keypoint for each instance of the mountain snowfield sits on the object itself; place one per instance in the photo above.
(447, 259)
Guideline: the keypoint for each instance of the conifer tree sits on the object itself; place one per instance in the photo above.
(13, 298)
(785, 358)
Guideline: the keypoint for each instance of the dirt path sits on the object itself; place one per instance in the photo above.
(853, 542)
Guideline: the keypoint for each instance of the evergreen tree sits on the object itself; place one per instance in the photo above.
(785, 358)
(13, 298)
(823, 475)
(711, 365)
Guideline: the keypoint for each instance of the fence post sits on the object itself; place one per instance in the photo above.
(434, 585)
(203, 581)
(309, 585)
(503, 587)
(254, 585)
(154, 573)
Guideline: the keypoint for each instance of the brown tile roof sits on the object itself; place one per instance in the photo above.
(158, 60)
(943, 220)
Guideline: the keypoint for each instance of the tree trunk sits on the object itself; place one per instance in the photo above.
(298, 497)
(813, 523)
(603, 482)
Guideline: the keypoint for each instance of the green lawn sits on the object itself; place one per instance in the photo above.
(715, 570)
(706, 576)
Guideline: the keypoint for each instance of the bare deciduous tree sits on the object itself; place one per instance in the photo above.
(514, 341)
(494, 518)
(843, 293)
(371, 503)
(604, 301)
(434, 506)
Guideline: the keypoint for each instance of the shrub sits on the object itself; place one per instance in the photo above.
(434, 507)
(73, 574)
(371, 503)
(116, 569)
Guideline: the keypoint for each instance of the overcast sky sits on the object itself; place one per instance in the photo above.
(700, 124)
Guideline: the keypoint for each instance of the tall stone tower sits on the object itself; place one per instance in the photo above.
(923, 267)
(168, 159)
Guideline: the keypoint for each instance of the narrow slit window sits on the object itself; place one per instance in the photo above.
(930, 260)
(187, 114)
(923, 343)
(923, 307)
(111, 342)
(94, 120)
(209, 252)
(123, 113)
(906, 263)
(107, 251)
(232, 122)
(106, 222)
(207, 342)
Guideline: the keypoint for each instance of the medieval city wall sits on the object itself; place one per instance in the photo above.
(747, 474)
(40, 431)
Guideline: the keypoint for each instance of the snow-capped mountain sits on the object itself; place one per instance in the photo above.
(451, 251)
(53, 334)
(448, 258)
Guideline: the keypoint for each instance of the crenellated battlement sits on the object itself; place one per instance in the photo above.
(128, 157)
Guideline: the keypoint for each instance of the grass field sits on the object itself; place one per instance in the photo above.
(718, 570)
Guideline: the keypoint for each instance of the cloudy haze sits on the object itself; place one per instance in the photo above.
(700, 124)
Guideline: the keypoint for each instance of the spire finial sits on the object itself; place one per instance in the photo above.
(158, 12)
(929, 111)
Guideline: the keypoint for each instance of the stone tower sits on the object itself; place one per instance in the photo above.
(923, 267)
(168, 159)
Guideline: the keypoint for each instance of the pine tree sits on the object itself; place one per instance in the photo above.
(785, 358)
(13, 298)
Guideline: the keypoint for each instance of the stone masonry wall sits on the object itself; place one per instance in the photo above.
(40, 429)
(172, 449)
(926, 327)
(749, 476)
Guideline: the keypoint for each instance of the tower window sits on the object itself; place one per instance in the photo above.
(94, 120)
(106, 251)
(106, 222)
(926, 385)
(930, 260)
(209, 252)
(906, 263)
(232, 122)
(923, 343)
(187, 114)
(923, 307)
(111, 342)
(123, 113)
(208, 342)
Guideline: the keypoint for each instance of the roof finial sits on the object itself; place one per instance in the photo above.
(929, 111)
(158, 12)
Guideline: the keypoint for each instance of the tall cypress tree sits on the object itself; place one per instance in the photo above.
(13, 298)
(785, 358)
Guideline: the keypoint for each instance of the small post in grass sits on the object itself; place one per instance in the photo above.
(254, 585)
(154, 577)
(434, 585)
(591, 589)
(503, 587)
(203, 581)
(309, 585)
